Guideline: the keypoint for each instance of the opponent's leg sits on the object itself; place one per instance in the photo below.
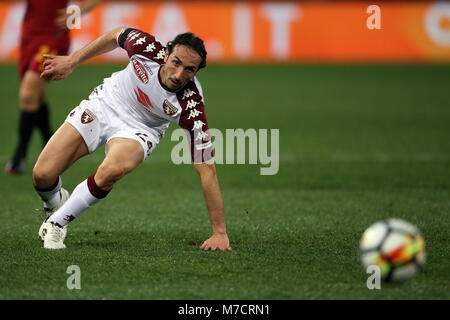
(43, 122)
(123, 156)
(43, 117)
(31, 90)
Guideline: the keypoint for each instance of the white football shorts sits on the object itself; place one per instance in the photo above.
(98, 123)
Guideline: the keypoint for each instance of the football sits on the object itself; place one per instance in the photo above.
(396, 247)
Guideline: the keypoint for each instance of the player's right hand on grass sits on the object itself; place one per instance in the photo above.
(57, 67)
(217, 242)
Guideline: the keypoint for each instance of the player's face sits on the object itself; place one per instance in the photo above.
(181, 66)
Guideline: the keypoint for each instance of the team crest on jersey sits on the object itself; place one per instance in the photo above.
(87, 116)
(169, 108)
(140, 71)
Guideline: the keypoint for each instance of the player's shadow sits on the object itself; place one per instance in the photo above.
(131, 241)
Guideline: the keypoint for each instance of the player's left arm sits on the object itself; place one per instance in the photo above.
(85, 7)
(88, 5)
(60, 67)
(193, 120)
(214, 203)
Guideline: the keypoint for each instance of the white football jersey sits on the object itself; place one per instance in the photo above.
(137, 92)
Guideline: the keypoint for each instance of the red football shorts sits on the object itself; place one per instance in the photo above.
(34, 47)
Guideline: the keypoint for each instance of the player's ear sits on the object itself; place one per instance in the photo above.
(195, 73)
(166, 56)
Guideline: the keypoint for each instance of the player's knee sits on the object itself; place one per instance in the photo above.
(42, 177)
(108, 174)
(28, 100)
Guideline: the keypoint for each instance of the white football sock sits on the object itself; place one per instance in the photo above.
(51, 196)
(81, 199)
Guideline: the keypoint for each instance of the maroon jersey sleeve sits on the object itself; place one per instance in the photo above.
(193, 120)
(135, 41)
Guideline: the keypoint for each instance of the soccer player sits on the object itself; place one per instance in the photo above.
(129, 112)
(44, 30)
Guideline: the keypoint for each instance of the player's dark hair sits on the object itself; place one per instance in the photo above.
(190, 40)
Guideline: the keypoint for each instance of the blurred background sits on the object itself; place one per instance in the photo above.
(258, 31)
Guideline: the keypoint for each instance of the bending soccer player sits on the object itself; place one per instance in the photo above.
(129, 112)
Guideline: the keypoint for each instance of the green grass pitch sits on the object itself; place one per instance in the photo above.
(357, 144)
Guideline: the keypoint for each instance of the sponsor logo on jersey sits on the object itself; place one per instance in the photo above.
(161, 54)
(95, 92)
(87, 116)
(72, 113)
(150, 47)
(194, 114)
(69, 217)
(201, 135)
(187, 94)
(140, 71)
(133, 35)
(169, 108)
(143, 98)
(203, 146)
(139, 41)
(191, 104)
(144, 138)
(147, 68)
(198, 125)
